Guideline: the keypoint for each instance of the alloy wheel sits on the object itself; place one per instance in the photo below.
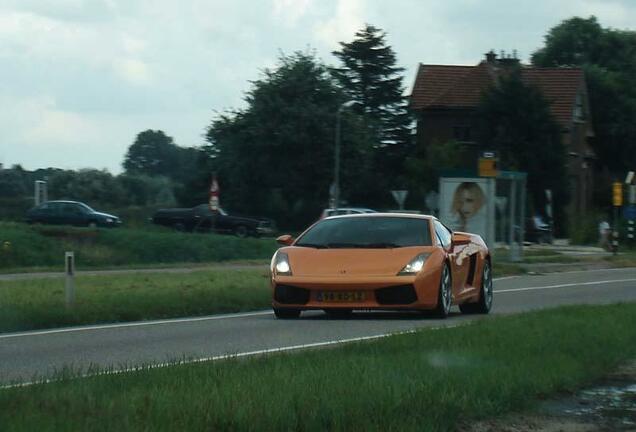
(446, 290)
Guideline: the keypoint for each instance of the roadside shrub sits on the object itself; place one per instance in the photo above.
(583, 229)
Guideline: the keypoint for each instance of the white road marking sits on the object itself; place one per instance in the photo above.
(257, 313)
(595, 270)
(504, 278)
(237, 355)
(134, 324)
(564, 285)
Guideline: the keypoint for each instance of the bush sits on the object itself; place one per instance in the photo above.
(583, 230)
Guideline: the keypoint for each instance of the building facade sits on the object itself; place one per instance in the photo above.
(445, 99)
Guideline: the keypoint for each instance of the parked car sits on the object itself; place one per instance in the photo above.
(344, 211)
(201, 218)
(381, 261)
(70, 213)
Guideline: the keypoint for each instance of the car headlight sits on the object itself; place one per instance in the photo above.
(415, 265)
(109, 220)
(281, 264)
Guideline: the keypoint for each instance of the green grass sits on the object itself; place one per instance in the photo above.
(39, 303)
(433, 380)
(43, 246)
(27, 304)
(146, 266)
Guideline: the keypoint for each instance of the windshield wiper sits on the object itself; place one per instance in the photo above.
(344, 245)
(381, 245)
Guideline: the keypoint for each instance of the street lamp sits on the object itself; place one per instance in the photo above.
(336, 180)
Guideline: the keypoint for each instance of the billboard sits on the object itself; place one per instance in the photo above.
(468, 204)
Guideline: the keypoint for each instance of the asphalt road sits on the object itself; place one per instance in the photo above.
(30, 356)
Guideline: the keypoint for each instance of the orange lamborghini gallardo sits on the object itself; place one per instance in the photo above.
(381, 261)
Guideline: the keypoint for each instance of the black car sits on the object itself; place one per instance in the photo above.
(201, 218)
(70, 213)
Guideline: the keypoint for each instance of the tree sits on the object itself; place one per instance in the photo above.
(516, 121)
(152, 153)
(94, 187)
(275, 157)
(12, 183)
(608, 57)
(369, 76)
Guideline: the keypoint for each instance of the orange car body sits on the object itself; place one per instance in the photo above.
(370, 278)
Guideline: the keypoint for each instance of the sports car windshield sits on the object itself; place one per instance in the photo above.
(367, 232)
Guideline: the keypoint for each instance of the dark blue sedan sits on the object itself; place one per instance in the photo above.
(70, 213)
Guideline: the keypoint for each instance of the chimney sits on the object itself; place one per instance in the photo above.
(491, 57)
(508, 60)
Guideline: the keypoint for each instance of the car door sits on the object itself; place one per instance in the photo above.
(73, 214)
(458, 264)
(52, 214)
(223, 222)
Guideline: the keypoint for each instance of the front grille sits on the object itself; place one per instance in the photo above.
(401, 294)
(287, 294)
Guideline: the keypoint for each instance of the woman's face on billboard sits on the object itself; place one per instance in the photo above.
(468, 204)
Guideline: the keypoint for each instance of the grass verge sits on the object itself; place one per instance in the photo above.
(432, 380)
(22, 246)
(39, 303)
(28, 304)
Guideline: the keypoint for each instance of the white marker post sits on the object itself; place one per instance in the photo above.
(69, 260)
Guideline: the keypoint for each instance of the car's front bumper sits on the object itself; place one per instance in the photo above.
(369, 292)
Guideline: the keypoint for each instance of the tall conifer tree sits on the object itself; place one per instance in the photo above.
(369, 76)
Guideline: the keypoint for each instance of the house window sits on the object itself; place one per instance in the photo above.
(462, 134)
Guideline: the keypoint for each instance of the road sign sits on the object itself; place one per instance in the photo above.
(400, 196)
(630, 212)
(617, 194)
(214, 195)
(487, 167)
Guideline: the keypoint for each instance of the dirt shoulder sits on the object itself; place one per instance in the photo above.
(609, 406)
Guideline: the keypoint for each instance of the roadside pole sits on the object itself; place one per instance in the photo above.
(213, 201)
(69, 261)
(617, 201)
(630, 210)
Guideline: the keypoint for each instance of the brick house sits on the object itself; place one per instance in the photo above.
(445, 98)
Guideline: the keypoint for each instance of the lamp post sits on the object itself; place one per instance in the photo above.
(336, 179)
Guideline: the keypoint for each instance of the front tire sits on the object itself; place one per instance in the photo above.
(444, 297)
(484, 304)
(286, 313)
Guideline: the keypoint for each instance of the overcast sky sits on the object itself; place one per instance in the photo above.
(80, 78)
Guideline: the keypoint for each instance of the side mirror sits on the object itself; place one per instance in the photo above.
(285, 240)
(460, 239)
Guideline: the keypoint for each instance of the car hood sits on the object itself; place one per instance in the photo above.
(305, 261)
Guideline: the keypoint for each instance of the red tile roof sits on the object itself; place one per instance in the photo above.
(559, 86)
(439, 86)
